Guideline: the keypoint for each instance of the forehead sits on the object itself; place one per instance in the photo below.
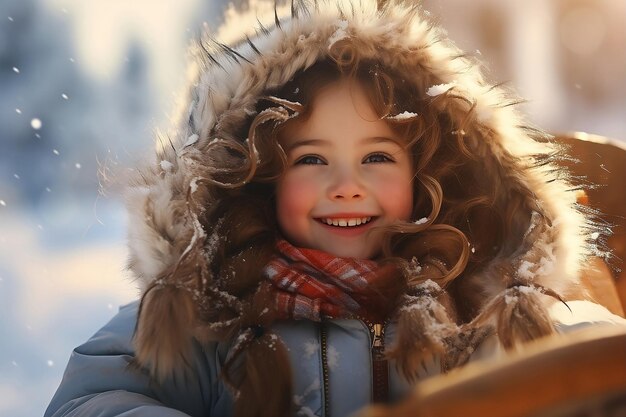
(339, 109)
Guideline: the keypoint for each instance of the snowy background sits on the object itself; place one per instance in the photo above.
(84, 84)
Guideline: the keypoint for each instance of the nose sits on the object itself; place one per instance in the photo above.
(346, 185)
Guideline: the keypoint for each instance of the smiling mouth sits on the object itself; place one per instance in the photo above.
(346, 222)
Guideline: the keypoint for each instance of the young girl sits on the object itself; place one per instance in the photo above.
(348, 207)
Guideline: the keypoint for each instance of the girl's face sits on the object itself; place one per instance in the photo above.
(347, 172)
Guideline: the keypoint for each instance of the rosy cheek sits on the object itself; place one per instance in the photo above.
(296, 197)
(396, 194)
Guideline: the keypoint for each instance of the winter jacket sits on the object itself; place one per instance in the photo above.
(331, 361)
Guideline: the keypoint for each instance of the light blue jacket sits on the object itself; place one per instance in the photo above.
(99, 382)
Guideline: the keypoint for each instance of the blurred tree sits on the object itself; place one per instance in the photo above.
(57, 121)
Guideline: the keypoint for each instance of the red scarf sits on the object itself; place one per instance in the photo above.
(311, 284)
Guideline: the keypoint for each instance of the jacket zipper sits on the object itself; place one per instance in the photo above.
(380, 366)
(324, 349)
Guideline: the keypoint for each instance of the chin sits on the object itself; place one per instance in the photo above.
(344, 252)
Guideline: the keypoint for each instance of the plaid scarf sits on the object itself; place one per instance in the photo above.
(311, 284)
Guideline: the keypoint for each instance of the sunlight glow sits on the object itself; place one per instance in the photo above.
(102, 30)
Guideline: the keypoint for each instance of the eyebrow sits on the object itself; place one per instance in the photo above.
(326, 143)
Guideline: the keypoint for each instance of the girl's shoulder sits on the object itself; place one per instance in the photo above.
(102, 376)
(117, 334)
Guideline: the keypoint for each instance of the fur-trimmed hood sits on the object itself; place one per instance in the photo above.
(229, 80)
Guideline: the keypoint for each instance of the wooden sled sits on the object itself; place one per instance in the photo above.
(581, 374)
(602, 163)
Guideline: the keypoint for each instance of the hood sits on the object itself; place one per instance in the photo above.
(229, 80)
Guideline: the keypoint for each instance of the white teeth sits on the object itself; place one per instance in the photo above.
(346, 222)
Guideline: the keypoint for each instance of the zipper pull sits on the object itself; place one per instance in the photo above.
(377, 340)
(380, 368)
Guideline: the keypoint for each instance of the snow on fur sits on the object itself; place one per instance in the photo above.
(217, 89)
(407, 115)
(227, 85)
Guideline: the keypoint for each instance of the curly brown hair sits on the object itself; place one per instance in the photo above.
(452, 207)
(459, 222)
(456, 222)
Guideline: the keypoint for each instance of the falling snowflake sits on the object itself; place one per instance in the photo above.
(16, 70)
(3, 203)
(18, 111)
(65, 97)
(35, 124)
(77, 165)
(54, 151)
(50, 363)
